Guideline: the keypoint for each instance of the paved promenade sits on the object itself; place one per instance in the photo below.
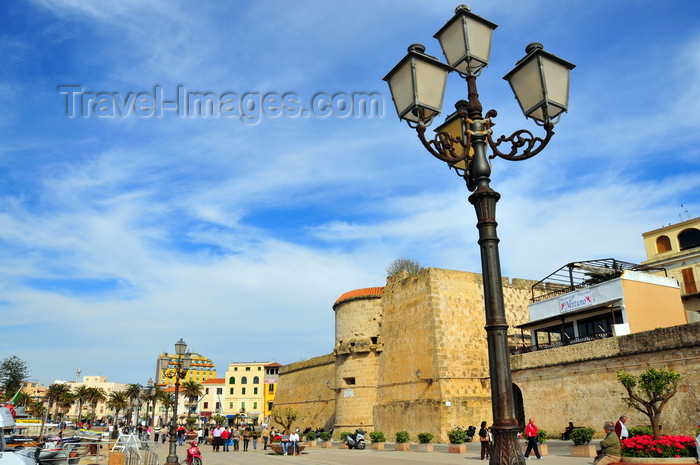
(558, 450)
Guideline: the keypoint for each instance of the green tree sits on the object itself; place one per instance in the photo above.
(167, 400)
(285, 416)
(192, 390)
(649, 392)
(53, 396)
(81, 393)
(95, 396)
(117, 401)
(13, 372)
(150, 396)
(133, 392)
(65, 402)
(404, 264)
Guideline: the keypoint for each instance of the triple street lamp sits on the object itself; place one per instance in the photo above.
(183, 359)
(540, 82)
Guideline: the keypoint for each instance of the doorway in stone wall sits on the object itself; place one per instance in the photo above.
(519, 406)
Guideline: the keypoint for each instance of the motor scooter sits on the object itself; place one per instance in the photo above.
(357, 440)
(194, 456)
(471, 431)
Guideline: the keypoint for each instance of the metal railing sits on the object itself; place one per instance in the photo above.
(578, 340)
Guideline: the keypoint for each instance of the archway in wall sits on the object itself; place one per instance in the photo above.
(519, 406)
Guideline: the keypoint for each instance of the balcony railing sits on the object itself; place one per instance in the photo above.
(578, 340)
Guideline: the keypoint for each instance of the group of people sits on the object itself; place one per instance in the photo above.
(231, 436)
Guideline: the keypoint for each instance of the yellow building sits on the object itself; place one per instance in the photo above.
(676, 248)
(245, 393)
(272, 371)
(201, 369)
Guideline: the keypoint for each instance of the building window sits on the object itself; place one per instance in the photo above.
(663, 244)
(349, 381)
(244, 380)
(247, 368)
(243, 406)
(255, 391)
(256, 380)
(255, 405)
(206, 405)
(689, 239)
(230, 405)
(218, 406)
(270, 405)
(270, 388)
(599, 325)
(242, 391)
(235, 368)
(219, 390)
(259, 368)
(232, 380)
(230, 391)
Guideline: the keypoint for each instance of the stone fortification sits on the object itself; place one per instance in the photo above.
(578, 383)
(434, 322)
(358, 321)
(304, 386)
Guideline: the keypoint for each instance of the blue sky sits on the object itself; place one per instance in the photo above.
(120, 235)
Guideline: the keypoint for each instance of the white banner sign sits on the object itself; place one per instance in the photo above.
(575, 301)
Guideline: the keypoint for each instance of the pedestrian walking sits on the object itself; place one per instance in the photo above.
(531, 434)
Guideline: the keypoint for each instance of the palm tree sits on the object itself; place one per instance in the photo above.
(94, 397)
(36, 408)
(54, 394)
(192, 390)
(133, 392)
(65, 403)
(150, 396)
(117, 401)
(168, 401)
(81, 393)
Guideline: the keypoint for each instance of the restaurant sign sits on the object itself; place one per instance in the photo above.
(575, 301)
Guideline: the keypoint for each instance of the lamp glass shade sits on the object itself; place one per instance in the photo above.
(540, 82)
(187, 361)
(466, 41)
(417, 86)
(454, 127)
(180, 347)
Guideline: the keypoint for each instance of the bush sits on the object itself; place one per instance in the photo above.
(326, 436)
(642, 430)
(541, 436)
(310, 436)
(344, 436)
(425, 438)
(582, 436)
(457, 436)
(402, 437)
(377, 436)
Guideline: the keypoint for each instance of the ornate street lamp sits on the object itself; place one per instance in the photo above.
(183, 359)
(540, 82)
(152, 402)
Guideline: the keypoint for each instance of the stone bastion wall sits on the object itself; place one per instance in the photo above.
(578, 383)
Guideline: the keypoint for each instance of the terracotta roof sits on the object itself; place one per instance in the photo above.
(366, 292)
(214, 381)
(273, 364)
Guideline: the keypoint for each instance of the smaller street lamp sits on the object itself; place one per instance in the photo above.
(183, 359)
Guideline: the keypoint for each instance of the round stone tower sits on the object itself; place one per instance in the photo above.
(358, 321)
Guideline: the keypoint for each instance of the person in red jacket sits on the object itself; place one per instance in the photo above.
(531, 434)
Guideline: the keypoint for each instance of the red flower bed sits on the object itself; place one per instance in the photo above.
(663, 446)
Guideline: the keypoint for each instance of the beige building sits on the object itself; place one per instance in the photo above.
(676, 248)
(101, 382)
(213, 398)
(244, 392)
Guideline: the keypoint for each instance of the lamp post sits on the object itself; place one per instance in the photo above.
(179, 371)
(540, 82)
(152, 402)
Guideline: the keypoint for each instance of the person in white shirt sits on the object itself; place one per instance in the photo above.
(294, 442)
